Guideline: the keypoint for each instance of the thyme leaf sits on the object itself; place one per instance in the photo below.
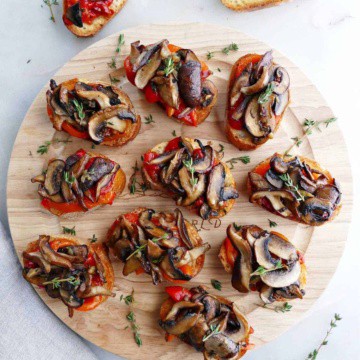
(244, 159)
(79, 109)
(149, 119)
(265, 95)
(272, 224)
(261, 270)
(290, 185)
(216, 284)
(93, 239)
(226, 50)
(49, 4)
(214, 329)
(190, 167)
(56, 282)
(169, 66)
(121, 42)
(70, 231)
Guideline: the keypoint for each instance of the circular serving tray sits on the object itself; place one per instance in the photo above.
(106, 326)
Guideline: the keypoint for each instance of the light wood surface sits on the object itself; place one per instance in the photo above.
(323, 246)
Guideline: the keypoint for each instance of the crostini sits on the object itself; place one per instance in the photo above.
(163, 245)
(174, 78)
(94, 111)
(80, 275)
(193, 174)
(209, 323)
(249, 5)
(295, 188)
(85, 18)
(263, 261)
(82, 182)
(258, 96)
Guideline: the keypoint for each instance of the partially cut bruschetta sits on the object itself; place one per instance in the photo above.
(209, 323)
(263, 261)
(82, 182)
(163, 245)
(174, 78)
(296, 188)
(193, 174)
(258, 96)
(81, 275)
(85, 18)
(94, 111)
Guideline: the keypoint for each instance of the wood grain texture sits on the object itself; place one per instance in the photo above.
(323, 246)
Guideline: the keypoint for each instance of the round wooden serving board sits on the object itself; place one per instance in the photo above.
(322, 246)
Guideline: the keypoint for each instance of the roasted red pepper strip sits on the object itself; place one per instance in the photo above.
(178, 293)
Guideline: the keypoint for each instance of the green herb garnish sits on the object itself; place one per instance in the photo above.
(140, 248)
(149, 119)
(290, 185)
(79, 109)
(174, 133)
(190, 167)
(286, 307)
(214, 329)
(93, 239)
(70, 231)
(244, 159)
(49, 4)
(169, 66)
(56, 282)
(231, 47)
(261, 270)
(237, 227)
(265, 95)
(69, 177)
(272, 224)
(131, 318)
(121, 42)
(216, 284)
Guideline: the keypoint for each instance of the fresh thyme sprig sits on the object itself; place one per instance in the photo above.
(93, 239)
(140, 248)
(69, 177)
(70, 231)
(226, 50)
(43, 149)
(121, 42)
(265, 95)
(169, 66)
(272, 224)
(237, 227)
(56, 282)
(49, 4)
(286, 307)
(113, 79)
(131, 318)
(79, 109)
(222, 147)
(135, 186)
(190, 166)
(216, 284)
(149, 119)
(333, 324)
(309, 125)
(112, 63)
(215, 329)
(173, 133)
(290, 185)
(244, 159)
(261, 270)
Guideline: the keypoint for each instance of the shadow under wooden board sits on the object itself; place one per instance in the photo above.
(322, 246)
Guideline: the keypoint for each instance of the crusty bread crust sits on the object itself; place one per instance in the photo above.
(229, 179)
(314, 165)
(130, 133)
(98, 23)
(241, 138)
(249, 5)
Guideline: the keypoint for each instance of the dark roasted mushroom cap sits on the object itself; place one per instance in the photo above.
(316, 210)
(221, 346)
(53, 176)
(74, 14)
(99, 168)
(190, 83)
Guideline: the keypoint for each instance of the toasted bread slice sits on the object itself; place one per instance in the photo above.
(248, 5)
(63, 121)
(229, 182)
(301, 213)
(241, 137)
(97, 24)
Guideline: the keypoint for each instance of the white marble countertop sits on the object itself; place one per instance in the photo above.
(320, 36)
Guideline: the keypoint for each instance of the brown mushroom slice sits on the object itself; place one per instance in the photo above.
(281, 102)
(98, 290)
(273, 179)
(330, 193)
(131, 265)
(204, 164)
(252, 233)
(229, 193)
(55, 198)
(266, 294)
(258, 182)
(52, 256)
(240, 110)
(252, 119)
(282, 277)
(39, 178)
(275, 199)
(34, 276)
(260, 84)
(196, 334)
(189, 79)
(215, 186)
(281, 80)
(168, 90)
(154, 251)
(208, 92)
(222, 346)
(315, 211)
(36, 258)
(183, 232)
(163, 158)
(99, 168)
(79, 194)
(182, 317)
(206, 212)
(70, 299)
(171, 170)
(290, 292)
(146, 72)
(279, 165)
(282, 248)
(53, 176)
(146, 54)
(266, 60)
(149, 227)
(190, 256)
(262, 253)
(104, 181)
(75, 253)
(193, 192)
(66, 191)
(168, 264)
(242, 81)
(242, 268)
(89, 93)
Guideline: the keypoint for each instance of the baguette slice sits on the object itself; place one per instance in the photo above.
(88, 30)
(316, 201)
(248, 5)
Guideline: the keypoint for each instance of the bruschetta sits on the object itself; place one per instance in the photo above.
(258, 96)
(209, 323)
(296, 188)
(85, 18)
(174, 78)
(80, 275)
(263, 261)
(249, 5)
(163, 245)
(193, 174)
(82, 182)
(94, 111)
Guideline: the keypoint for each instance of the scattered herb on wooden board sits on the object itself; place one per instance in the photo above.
(244, 159)
(70, 231)
(216, 284)
(49, 4)
(226, 50)
(272, 224)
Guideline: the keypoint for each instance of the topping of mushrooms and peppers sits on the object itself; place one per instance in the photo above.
(80, 183)
(193, 174)
(173, 77)
(263, 261)
(258, 96)
(294, 188)
(163, 245)
(80, 12)
(98, 112)
(210, 324)
(80, 275)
